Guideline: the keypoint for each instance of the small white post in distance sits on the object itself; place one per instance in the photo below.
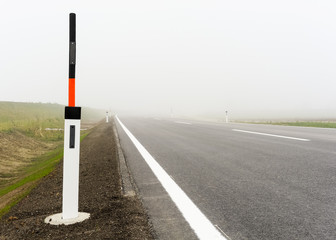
(226, 117)
(107, 117)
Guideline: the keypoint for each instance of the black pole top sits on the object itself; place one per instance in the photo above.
(72, 46)
(72, 27)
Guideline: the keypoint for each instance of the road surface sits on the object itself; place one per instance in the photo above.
(250, 181)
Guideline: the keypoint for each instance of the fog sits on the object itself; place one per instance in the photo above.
(255, 59)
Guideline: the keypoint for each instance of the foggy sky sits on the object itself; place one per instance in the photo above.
(188, 57)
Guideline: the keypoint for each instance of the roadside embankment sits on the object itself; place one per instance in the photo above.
(113, 215)
(31, 145)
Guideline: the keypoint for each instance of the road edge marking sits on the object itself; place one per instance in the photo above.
(271, 135)
(201, 225)
(228, 238)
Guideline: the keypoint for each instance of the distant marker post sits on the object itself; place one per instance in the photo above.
(107, 117)
(72, 124)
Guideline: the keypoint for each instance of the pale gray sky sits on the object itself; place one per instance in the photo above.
(194, 56)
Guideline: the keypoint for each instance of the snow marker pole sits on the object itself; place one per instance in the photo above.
(71, 136)
(72, 124)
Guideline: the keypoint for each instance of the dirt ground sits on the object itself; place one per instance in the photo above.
(113, 216)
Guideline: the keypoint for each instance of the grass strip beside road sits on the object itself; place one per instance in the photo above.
(317, 124)
(40, 168)
(30, 176)
(308, 124)
(17, 197)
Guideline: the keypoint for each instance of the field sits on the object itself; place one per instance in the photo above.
(27, 150)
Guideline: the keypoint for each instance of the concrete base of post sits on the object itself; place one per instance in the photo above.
(57, 219)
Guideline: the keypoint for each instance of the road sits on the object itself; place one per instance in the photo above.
(250, 181)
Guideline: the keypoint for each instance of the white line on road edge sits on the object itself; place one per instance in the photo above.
(183, 122)
(222, 232)
(272, 135)
(196, 219)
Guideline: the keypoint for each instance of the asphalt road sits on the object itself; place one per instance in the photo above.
(249, 185)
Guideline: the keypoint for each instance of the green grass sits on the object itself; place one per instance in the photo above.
(17, 199)
(32, 118)
(40, 168)
(24, 116)
(302, 124)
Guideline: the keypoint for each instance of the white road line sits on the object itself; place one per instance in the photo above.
(197, 220)
(183, 122)
(272, 135)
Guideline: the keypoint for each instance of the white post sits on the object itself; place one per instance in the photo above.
(71, 168)
(72, 118)
(107, 117)
(226, 117)
(70, 214)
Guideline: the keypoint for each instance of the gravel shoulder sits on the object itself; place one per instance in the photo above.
(113, 215)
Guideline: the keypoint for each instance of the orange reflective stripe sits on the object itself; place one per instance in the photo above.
(71, 92)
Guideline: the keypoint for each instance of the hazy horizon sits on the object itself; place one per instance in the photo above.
(255, 59)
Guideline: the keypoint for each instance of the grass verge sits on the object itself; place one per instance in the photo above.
(18, 197)
(40, 168)
(308, 124)
(30, 176)
(317, 124)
